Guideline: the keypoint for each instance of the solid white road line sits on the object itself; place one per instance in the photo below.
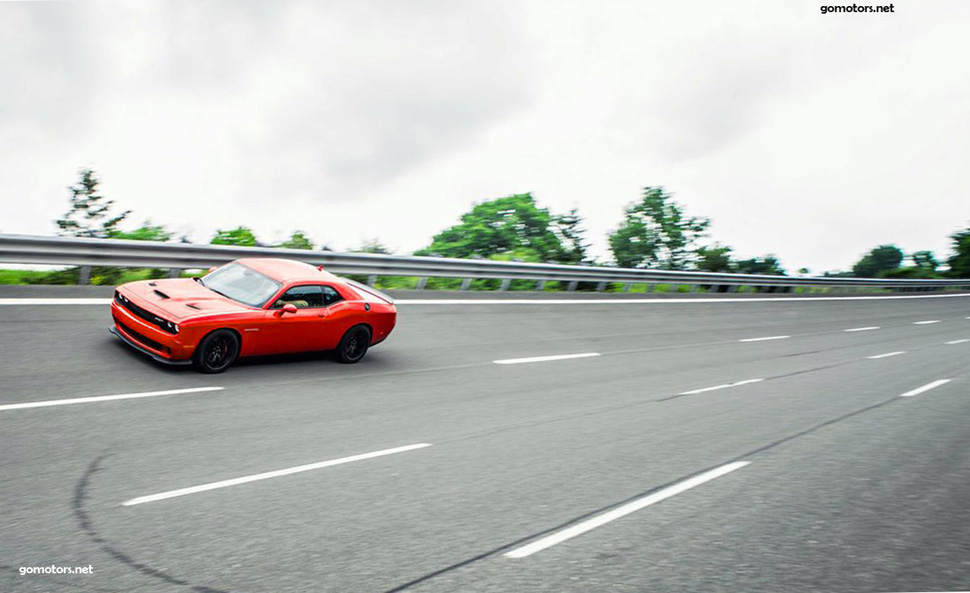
(959, 341)
(654, 301)
(725, 386)
(273, 474)
(863, 329)
(104, 398)
(622, 511)
(926, 387)
(764, 339)
(41, 301)
(886, 355)
(926, 322)
(546, 358)
(660, 301)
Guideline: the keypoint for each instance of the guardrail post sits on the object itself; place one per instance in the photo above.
(84, 276)
(695, 287)
(732, 288)
(372, 280)
(505, 284)
(601, 287)
(650, 288)
(626, 287)
(422, 281)
(572, 286)
(466, 284)
(541, 285)
(174, 272)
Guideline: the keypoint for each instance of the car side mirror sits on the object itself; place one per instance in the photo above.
(289, 308)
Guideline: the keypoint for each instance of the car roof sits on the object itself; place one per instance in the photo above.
(287, 271)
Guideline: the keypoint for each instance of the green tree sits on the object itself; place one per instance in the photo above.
(90, 213)
(240, 236)
(297, 241)
(914, 272)
(925, 260)
(568, 228)
(715, 258)
(656, 233)
(513, 224)
(768, 264)
(880, 260)
(373, 246)
(147, 232)
(960, 260)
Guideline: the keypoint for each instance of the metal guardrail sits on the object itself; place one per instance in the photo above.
(29, 249)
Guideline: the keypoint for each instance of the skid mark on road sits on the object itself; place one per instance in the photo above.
(78, 505)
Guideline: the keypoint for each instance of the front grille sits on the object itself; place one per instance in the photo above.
(148, 316)
(144, 340)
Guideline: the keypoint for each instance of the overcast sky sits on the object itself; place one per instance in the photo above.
(813, 137)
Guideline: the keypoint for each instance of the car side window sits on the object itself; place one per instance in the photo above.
(330, 296)
(302, 297)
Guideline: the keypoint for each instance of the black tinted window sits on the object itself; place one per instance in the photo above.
(302, 297)
(330, 296)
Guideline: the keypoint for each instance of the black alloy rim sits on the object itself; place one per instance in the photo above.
(217, 353)
(355, 345)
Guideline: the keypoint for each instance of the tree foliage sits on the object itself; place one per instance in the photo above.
(90, 213)
(925, 260)
(240, 236)
(960, 260)
(656, 233)
(146, 232)
(568, 228)
(879, 261)
(373, 246)
(768, 265)
(715, 258)
(297, 240)
(512, 225)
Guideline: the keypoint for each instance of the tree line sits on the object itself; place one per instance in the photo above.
(656, 232)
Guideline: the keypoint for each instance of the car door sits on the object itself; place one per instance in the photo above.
(299, 331)
(338, 317)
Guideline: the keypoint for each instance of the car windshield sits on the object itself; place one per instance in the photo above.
(242, 284)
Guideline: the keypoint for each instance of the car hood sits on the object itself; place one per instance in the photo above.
(180, 298)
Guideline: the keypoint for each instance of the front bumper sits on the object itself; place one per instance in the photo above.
(121, 334)
(150, 340)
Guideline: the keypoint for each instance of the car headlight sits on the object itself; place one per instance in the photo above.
(170, 327)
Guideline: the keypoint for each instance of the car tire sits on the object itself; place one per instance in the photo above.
(216, 352)
(353, 346)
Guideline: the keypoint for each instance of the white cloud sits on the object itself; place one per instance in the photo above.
(812, 136)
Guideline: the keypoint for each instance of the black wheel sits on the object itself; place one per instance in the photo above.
(353, 346)
(216, 351)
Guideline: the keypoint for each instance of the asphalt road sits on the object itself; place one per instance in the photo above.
(580, 474)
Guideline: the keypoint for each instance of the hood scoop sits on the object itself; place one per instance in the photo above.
(161, 294)
(193, 306)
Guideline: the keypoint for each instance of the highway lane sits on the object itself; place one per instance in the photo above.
(517, 449)
(66, 339)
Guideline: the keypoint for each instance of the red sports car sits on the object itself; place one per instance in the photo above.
(251, 307)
